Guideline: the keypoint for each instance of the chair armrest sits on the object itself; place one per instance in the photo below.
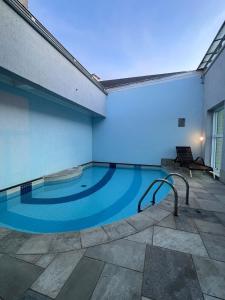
(200, 160)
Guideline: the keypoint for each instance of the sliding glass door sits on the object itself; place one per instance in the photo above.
(217, 140)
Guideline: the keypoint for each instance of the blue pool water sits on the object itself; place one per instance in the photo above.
(101, 195)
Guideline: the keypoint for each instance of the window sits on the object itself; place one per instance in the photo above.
(181, 122)
(217, 140)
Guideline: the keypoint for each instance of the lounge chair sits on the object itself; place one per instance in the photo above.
(185, 158)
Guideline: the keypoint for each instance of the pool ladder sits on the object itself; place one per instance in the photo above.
(165, 180)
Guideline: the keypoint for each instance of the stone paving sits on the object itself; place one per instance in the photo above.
(150, 256)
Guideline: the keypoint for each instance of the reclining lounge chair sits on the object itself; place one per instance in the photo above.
(185, 158)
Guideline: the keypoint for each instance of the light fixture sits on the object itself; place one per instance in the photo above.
(201, 139)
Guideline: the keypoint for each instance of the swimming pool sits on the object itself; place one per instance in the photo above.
(101, 195)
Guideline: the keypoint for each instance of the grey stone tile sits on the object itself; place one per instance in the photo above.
(45, 260)
(200, 214)
(221, 198)
(221, 217)
(144, 236)
(170, 275)
(207, 297)
(124, 253)
(211, 205)
(65, 242)
(206, 196)
(93, 237)
(82, 281)
(215, 244)
(144, 298)
(53, 278)
(179, 240)
(168, 222)
(119, 229)
(118, 283)
(211, 276)
(4, 232)
(140, 221)
(36, 245)
(210, 227)
(219, 190)
(185, 223)
(194, 183)
(167, 204)
(156, 213)
(199, 190)
(16, 277)
(13, 241)
(32, 258)
(31, 295)
(192, 203)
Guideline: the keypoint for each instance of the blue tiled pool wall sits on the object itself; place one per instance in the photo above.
(28, 187)
(19, 190)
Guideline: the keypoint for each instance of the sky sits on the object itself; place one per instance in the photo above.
(125, 38)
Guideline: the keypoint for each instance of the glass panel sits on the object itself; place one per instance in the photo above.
(217, 140)
(202, 65)
(218, 153)
(220, 122)
(207, 56)
(213, 47)
(221, 33)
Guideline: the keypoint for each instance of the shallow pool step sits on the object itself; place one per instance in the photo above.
(64, 175)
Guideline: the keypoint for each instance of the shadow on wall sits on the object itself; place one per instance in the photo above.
(39, 137)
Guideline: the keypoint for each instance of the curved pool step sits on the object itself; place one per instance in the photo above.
(63, 176)
(28, 199)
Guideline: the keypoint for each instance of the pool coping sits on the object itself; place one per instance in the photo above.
(82, 239)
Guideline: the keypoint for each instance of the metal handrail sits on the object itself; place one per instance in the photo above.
(171, 175)
(149, 188)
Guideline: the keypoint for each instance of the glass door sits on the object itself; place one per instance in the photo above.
(217, 140)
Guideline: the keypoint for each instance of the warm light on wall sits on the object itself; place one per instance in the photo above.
(201, 139)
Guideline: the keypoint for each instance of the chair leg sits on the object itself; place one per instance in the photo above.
(190, 173)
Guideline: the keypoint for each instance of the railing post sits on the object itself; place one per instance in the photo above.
(171, 175)
(153, 201)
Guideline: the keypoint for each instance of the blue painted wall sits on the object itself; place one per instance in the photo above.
(39, 137)
(141, 123)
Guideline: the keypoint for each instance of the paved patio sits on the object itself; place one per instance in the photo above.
(152, 255)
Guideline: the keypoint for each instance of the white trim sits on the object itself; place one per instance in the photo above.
(154, 81)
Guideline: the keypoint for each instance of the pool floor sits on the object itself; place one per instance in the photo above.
(101, 195)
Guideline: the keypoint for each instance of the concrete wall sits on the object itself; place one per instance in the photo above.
(141, 124)
(26, 53)
(214, 96)
(38, 137)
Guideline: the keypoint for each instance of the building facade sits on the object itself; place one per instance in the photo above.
(55, 115)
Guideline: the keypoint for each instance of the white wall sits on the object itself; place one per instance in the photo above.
(214, 96)
(141, 123)
(26, 53)
(38, 137)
